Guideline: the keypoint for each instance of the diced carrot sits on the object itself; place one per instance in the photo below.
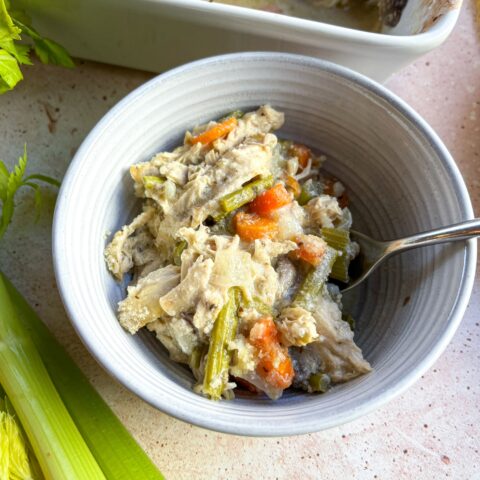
(263, 333)
(217, 131)
(250, 226)
(280, 375)
(272, 199)
(274, 365)
(309, 250)
(302, 153)
(292, 185)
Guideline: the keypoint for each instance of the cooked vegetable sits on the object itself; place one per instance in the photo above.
(292, 185)
(234, 114)
(274, 364)
(243, 218)
(303, 153)
(339, 239)
(310, 189)
(319, 382)
(315, 280)
(310, 249)
(217, 131)
(250, 226)
(219, 354)
(245, 195)
(151, 181)
(270, 200)
(177, 253)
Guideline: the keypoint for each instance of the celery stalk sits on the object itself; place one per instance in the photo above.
(56, 441)
(219, 354)
(118, 454)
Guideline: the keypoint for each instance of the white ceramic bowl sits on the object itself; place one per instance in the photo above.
(401, 180)
(158, 34)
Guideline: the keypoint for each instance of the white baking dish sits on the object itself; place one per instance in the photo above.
(158, 34)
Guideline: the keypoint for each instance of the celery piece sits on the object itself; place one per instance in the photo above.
(340, 268)
(151, 181)
(219, 355)
(315, 280)
(259, 306)
(319, 382)
(310, 189)
(56, 441)
(118, 454)
(235, 114)
(338, 239)
(177, 252)
(244, 195)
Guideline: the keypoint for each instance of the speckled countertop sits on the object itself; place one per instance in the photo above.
(431, 431)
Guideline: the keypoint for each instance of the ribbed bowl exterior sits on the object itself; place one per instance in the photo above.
(401, 180)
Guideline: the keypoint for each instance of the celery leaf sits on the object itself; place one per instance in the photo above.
(10, 73)
(10, 184)
(47, 50)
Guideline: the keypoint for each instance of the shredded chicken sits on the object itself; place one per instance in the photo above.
(222, 300)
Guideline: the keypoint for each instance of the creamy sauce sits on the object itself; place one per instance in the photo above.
(357, 14)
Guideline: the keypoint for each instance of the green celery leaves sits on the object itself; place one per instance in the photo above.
(47, 50)
(11, 182)
(13, 53)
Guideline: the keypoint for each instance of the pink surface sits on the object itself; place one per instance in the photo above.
(431, 431)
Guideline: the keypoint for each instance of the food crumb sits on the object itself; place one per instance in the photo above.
(445, 460)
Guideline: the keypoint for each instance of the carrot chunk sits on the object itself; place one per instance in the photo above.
(250, 226)
(310, 249)
(274, 365)
(272, 199)
(302, 153)
(217, 131)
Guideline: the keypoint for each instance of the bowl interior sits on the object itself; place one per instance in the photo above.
(400, 181)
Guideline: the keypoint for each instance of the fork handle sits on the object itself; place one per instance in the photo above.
(452, 233)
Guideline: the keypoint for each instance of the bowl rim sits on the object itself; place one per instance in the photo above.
(248, 19)
(62, 274)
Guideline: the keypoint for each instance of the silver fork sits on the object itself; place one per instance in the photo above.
(374, 252)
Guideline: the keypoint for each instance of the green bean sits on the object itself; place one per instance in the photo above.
(177, 252)
(244, 195)
(338, 239)
(319, 382)
(219, 354)
(152, 181)
(315, 280)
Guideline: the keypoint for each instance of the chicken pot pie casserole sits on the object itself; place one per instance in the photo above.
(233, 256)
